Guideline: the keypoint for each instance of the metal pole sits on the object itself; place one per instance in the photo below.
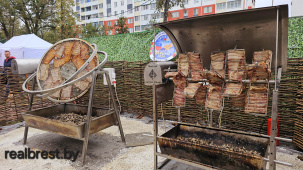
(274, 113)
(31, 97)
(155, 116)
(115, 105)
(211, 118)
(179, 113)
(89, 113)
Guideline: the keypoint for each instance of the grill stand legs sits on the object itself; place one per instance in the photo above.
(31, 97)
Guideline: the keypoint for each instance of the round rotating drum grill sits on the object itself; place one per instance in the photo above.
(69, 74)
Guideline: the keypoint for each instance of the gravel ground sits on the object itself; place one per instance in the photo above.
(106, 151)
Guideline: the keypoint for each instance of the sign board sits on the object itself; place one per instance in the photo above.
(164, 48)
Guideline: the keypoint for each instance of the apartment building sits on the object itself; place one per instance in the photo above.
(141, 13)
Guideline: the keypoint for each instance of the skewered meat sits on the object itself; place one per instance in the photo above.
(60, 50)
(49, 57)
(88, 79)
(57, 93)
(263, 56)
(48, 83)
(78, 61)
(66, 92)
(236, 64)
(43, 72)
(258, 71)
(56, 75)
(213, 77)
(82, 85)
(84, 51)
(183, 65)
(238, 101)
(171, 74)
(217, 57)
(68, 48)
(233, 89)
(235, 55)
(61, 61)
(180, 81)
(256, 100)
(92, 64)
(196, 66)
(214, 97)
(191, 89)
(76, 48)
(200, 96)
(218, 63)
(179, 97)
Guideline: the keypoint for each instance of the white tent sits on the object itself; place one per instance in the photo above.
(24, 46)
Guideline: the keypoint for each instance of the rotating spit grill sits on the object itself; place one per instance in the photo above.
(250, 30)
(65, 73)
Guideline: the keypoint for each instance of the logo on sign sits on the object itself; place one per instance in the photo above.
(152, 74)
(163, 48)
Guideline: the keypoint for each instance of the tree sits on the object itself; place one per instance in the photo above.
(35, 14)
(92, 30)
(66, 20)
(8, 19)
(121, 26)
(168, 4)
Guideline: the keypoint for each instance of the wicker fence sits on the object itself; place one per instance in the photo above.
(135, 97)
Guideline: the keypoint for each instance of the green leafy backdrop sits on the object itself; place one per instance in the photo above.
(135, 46)
(125, 47)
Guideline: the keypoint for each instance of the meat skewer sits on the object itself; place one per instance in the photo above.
(196, 66)
(191, 89)
(183, 64)
(214, 97)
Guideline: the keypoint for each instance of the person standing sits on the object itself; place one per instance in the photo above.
(7, 64)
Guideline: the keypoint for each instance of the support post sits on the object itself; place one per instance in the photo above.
(114, 105)
(89, 113)
(155, 121)
(179, 113)
(273, 131)
(31, 97)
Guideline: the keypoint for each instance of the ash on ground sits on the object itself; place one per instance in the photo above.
(71, 118)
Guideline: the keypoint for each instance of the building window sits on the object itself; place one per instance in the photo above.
(109, 32)
(122, 2)
(137, 28)
(130, 30)
(129, 20)
(137, 8)
(221, 6)
(196, 12)
(115, 4)
(137, 18)
(109, 23)
(122, 12)
(100, 15)
(101, 5)
(162, 15)
(88, 8)
(143, 27)
(82, 1)
(109, 14)
(144, 17)
(234, 4)
(156, 16)
(95, 7)
(185, 1)
(129, 1)
(196, 1)
(101, 23)
(116, 22)
(153, 6)
(130, 11)
(108, 5)
(95, 23)
(82, 9)
(82, 18)
(175, 14)
(208, 9)
(78, 8)
(144, 7)
(185, 13)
